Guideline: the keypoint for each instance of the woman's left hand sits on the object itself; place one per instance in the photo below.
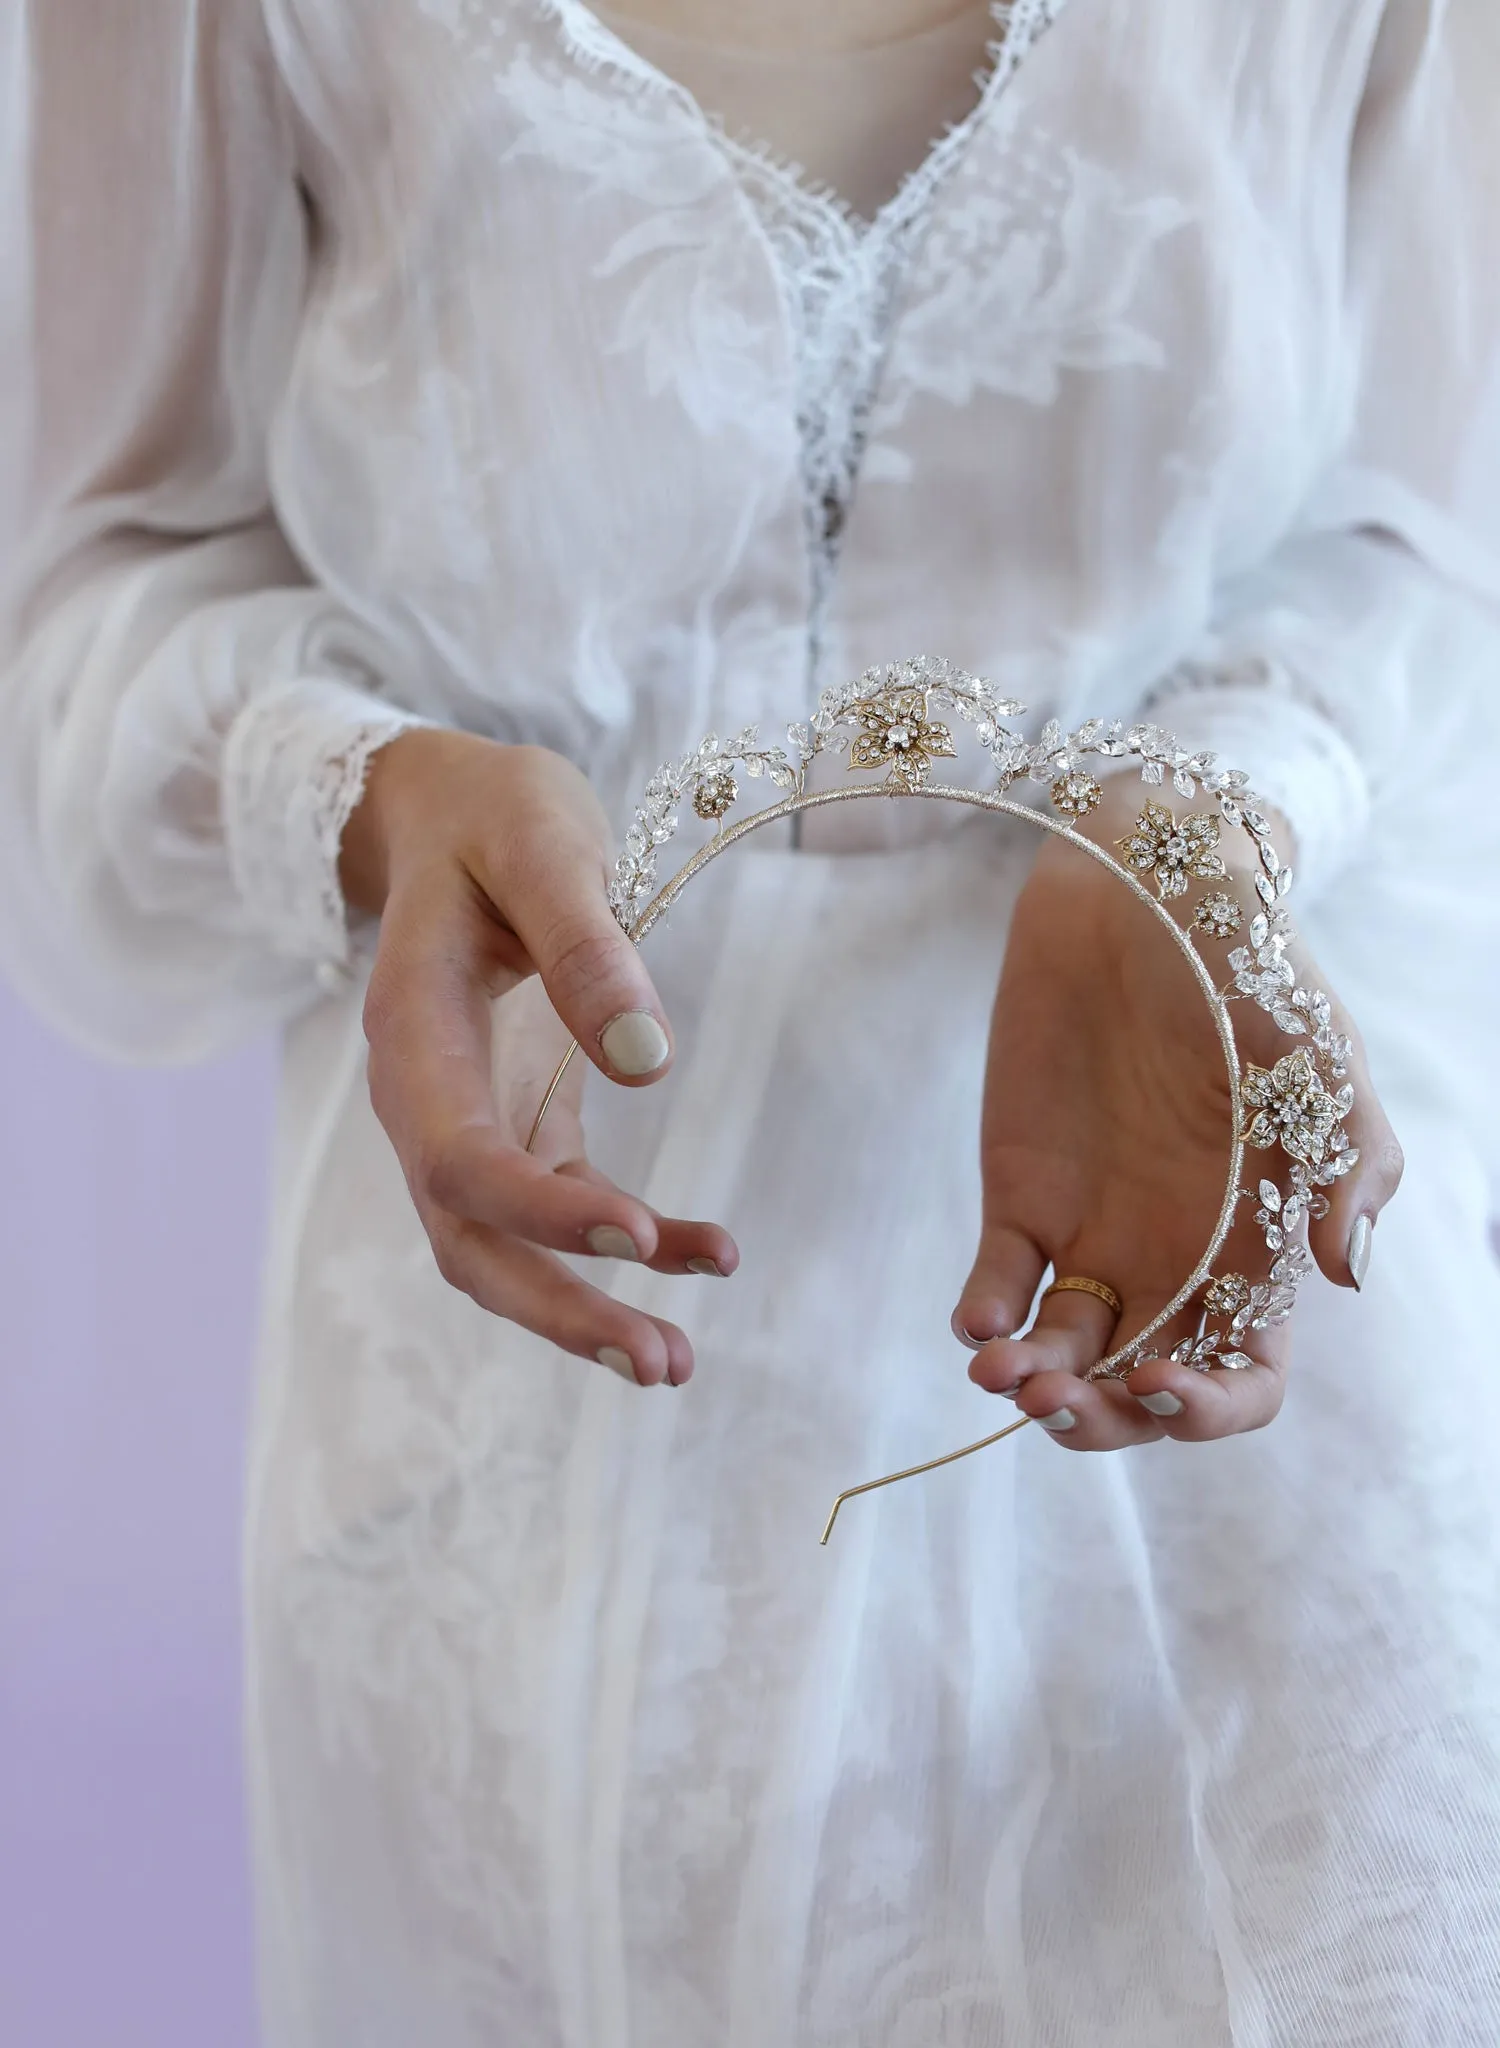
(1105, 1145)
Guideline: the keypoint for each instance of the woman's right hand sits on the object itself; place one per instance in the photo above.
(487, 864)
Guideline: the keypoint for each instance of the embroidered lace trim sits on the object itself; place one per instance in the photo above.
(842, 274)
(299, 755)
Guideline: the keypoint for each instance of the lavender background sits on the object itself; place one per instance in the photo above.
(131, 1216)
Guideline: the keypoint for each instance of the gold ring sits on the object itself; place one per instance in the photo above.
(1076, 1283)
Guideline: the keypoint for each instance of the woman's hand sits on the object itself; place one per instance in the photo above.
(1105, 1146)
(487, 864)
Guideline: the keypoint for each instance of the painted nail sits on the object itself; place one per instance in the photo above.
(618, 1361)
(608, 1241)
(1360, 1238)
(1162, 1403)
(706, 1267)
(634, 1043)
(1059, 1423)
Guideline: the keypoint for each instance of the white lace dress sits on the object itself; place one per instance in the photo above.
(432, 358)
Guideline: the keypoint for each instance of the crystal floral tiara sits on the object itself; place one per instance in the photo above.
(888, 722)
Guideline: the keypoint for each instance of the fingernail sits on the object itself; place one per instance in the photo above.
(634, 1043)
(608, 1241)
(706, 1267)
(1161, 1404)
(1360, 1238)
(1059, 1423)
(621, 1362)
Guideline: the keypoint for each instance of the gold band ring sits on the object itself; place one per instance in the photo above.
(1076, 1283)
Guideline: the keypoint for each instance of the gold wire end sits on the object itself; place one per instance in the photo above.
(916, 1471)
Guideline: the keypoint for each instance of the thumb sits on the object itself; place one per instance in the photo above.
(555, 903)
(1007, 1271)
(1341, 1240)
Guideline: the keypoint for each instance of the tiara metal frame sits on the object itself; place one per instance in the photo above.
(885, 722)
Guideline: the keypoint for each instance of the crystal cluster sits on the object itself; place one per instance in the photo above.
(1174, 850)
(1219, 915)
(898, 735)
(715, 795)
(1293, 1109)
(1076, 794)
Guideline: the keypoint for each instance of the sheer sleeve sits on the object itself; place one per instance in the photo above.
(184, 723)
(1330, 670)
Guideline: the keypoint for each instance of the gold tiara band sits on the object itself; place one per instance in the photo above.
(1079, 1283)
(884, 722)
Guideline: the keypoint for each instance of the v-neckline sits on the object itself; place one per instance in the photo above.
(1017, 24)
(840, 274)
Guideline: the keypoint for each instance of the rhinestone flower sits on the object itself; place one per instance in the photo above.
(1218, 915)
(1076, 794)
(715, 794)
(1173, 851)
(1227, 1295)
(899, 735)
(1292, 1108)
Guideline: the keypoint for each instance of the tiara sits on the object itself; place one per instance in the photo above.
(889, 722)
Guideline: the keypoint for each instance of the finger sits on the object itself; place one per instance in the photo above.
(1086, 1415)
(427, 1020)
(1001, 1286)
(704, 1249)
(1341, 1240)
(679, 1353)
(1139, 1313)
(553, 897)
(682, 1246)
(481, 1178)
(1198, 1407)
(1161, 1399)
(1071, 1333)
(529, 1286)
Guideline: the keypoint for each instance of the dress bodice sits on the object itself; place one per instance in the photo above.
(447, 359)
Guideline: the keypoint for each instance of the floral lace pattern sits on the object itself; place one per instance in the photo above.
(300, 755)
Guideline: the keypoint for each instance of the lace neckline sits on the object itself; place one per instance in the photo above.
(1017, 24)
(840, 271)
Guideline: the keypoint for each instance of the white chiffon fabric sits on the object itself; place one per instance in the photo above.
(443, 359)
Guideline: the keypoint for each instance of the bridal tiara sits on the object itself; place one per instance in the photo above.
(890, 722)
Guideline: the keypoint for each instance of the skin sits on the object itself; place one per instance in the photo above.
(781, 28)
(1103, 1127)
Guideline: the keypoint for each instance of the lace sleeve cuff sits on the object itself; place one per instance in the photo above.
(1256, 716)
(294, 769)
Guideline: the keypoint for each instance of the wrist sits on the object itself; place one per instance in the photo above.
(368, 848)
(1114, 820)
(1126, 796)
